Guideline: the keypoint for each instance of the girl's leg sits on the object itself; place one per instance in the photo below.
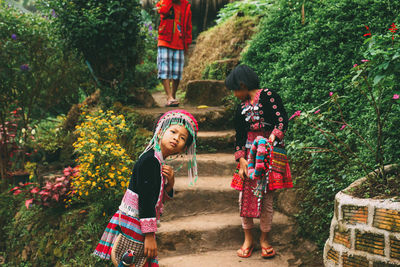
(167, 89)
(247, 224)
(175, 84)
(267, 212)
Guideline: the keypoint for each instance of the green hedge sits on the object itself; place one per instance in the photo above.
(304, 50)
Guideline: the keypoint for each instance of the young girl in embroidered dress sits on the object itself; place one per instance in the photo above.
(151, 183)
(261, 113)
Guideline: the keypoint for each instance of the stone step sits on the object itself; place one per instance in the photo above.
(217, 164)
(216, 141)
(209, 194)
(206, 232)
(211, 118)
(225, 258)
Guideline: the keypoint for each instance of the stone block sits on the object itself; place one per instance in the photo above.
(394, 248)
(205, 92)
(370, 242)
(355, 214)
(333, 255)
(288, 201)
(354, 261)
(342, 238)
(387, 219)
(383, 264)
(141, 97)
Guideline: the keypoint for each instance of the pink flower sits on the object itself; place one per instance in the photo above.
(15, 188)
(28, 202)
(17, 192)
(395, 96)
(343, 126)
(56, 197)
(35, 190)
(296, 114)
(355, 65)
(330, 93)
(364, 60)
(317, 111)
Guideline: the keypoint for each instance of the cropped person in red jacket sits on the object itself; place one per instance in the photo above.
(174, 38)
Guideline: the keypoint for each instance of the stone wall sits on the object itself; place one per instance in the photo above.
(364, 232)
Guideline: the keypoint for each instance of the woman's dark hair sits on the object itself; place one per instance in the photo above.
(242, 74)
(189, 140)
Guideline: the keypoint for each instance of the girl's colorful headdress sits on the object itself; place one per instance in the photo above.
(180, 117)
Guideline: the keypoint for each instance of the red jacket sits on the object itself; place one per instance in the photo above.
(165, 29)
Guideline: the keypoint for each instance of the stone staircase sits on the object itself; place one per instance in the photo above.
(201, 225)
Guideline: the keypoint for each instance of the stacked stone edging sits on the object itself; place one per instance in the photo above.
(364, 232)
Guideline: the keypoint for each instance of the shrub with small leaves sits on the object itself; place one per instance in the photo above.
(105, 167)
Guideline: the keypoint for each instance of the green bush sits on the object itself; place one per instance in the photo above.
(306, 50)
(53, 237)
(146, 70)
(37, 73)
(247, 7)
(107, 33)
(218, 70)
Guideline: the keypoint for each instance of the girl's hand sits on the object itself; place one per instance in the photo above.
(150, 245)
(272, 138)
(169, 174)
(243, 168)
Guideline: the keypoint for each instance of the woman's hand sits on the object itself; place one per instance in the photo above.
(150, 245)
(272, 138)
(169, 174)
(243, 168)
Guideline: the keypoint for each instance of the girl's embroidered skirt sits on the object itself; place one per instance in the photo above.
(280, 177)
(130, 226)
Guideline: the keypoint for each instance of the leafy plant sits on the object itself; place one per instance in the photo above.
(247, 7)
(54, 194)
(107, 33)
(15, 137)
(146, 70)
(104, 165)
(218, 70)
(38, 75)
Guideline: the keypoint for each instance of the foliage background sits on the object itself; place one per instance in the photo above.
(107, 34)
(305, 50)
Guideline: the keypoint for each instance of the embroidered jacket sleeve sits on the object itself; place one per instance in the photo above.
(274, 113)
(241, 133)
(148, 189)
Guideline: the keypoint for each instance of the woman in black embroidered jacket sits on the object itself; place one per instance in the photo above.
(260, 113)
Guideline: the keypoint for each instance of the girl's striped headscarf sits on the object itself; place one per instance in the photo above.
(181, 117)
